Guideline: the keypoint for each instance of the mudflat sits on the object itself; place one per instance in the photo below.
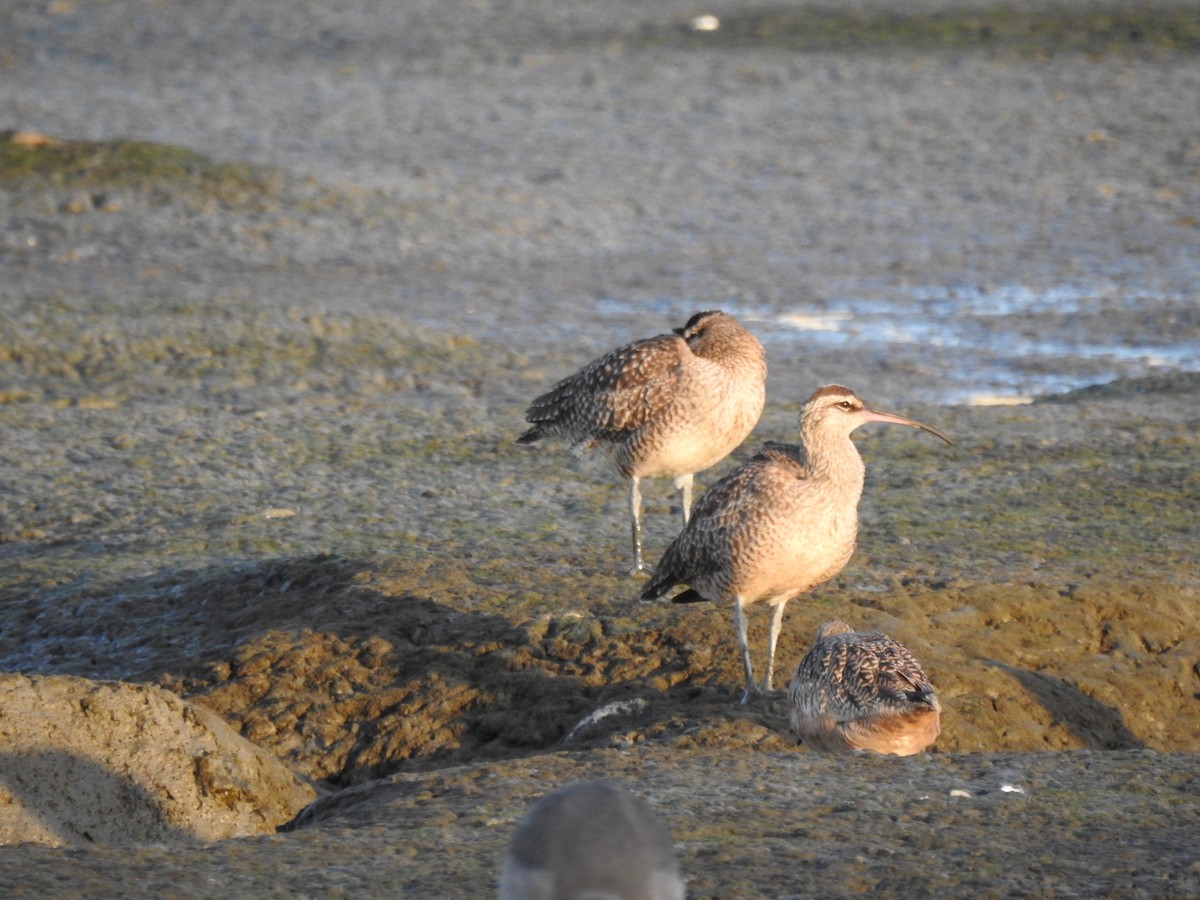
(278, 284)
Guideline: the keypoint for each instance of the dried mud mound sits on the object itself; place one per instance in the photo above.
(401, 672)
(398, 678)
(84, 763)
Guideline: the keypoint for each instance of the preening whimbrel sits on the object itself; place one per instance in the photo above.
(862, 691)
(778, 525)
(591, 840)
(666, 406)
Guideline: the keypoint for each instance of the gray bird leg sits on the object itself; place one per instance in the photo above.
(635, 507)
(776, 626)
(684, 484)
(739, 624)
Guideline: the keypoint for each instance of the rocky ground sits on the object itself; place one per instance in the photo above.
(259, 397)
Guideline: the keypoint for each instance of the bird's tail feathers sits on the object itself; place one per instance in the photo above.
(533, 434)
(657, 586)
(924, 695)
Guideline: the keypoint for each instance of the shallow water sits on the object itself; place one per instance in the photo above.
(1004, 344)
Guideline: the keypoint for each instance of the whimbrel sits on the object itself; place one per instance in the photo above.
(862, 691)
(591, 840)
(667, 406)
(778, 525)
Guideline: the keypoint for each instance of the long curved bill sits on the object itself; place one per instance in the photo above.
(876, 415)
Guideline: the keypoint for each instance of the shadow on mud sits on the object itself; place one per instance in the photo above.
(350, 671)
(1094, 725)
(83, 813)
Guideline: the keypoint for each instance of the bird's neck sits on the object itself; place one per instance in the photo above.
(835, 460)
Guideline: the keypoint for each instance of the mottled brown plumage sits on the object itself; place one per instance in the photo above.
(667, 406)
(592, 840)
(782, 523)
(862, 691)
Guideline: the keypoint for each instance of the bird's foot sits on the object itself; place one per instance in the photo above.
(752, 691)
(760, 692)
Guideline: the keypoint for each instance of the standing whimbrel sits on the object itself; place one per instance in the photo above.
(667, 406)
(862, 691)
(778, 525)
(592, 839)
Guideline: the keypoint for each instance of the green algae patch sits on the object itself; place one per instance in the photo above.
(56, 347)
(1037, 495)
(160, 172)
(1002, 29)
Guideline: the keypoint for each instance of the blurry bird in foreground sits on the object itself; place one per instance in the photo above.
(591, 841)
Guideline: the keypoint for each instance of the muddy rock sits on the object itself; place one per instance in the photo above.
(85, 762)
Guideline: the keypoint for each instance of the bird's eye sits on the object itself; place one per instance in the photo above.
(846, 405)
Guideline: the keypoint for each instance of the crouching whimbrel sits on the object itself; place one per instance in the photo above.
(591, 840)
(862, 691)
(667, 406)
(783, 522)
